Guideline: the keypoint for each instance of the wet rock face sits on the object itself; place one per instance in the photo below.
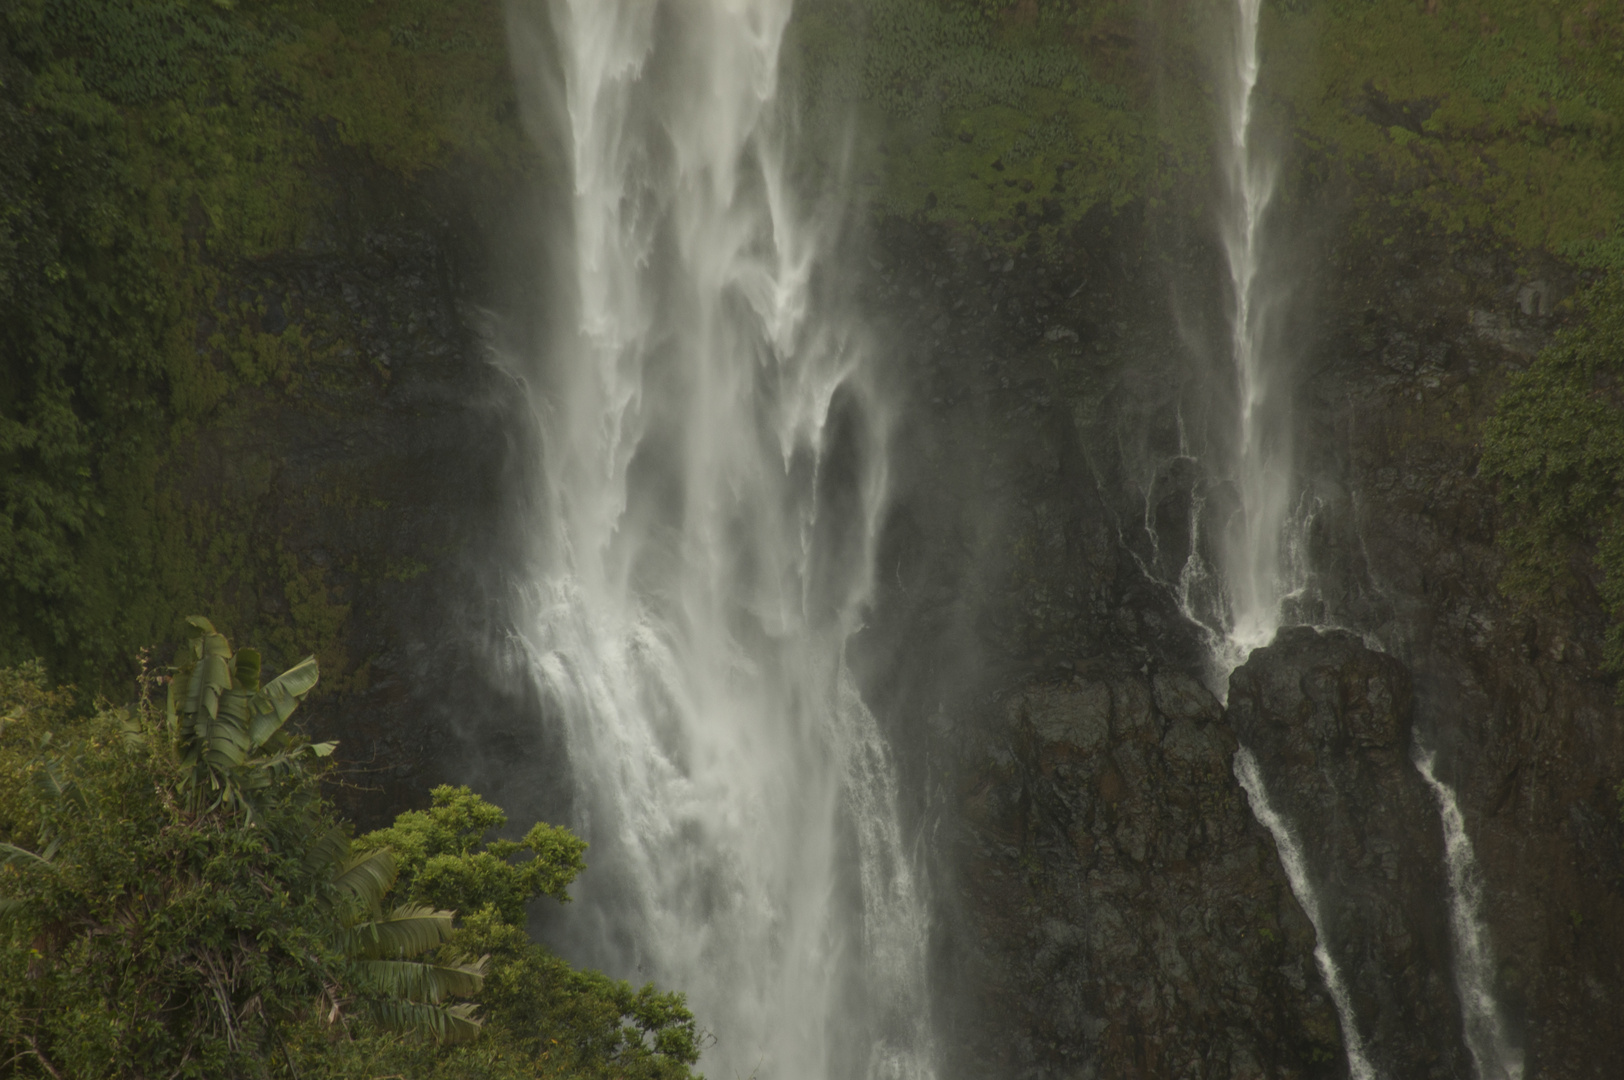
(1419, 340)
(1119, 913)
(1329, 722)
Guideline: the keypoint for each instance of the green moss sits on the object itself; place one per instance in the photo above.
(1488, 116)
(1556, 448)
(151, 153)
(1013, 120)
(411, 82)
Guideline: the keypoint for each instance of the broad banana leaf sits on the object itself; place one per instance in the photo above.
(414, 980)
(224, 718)
(367, 877)
(278, 698)
(245, 669)
(198, 628)
(447, 1023)
(408, 930)
(286, 690)
(210, 678)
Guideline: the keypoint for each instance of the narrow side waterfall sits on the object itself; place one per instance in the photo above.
(1252, 551)
(1259, 563)
(714, 468)
(1291, 858)
(1493, 1054)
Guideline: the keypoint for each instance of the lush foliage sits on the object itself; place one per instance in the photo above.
(177, 899)
(1556, 447)
(1497, 116)
(152, 153)
(1014, 119)
(544, 1012)
(142, 936)
(445, 859)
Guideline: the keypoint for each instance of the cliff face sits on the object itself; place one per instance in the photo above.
(1329, 723)
(1107, 905)
(1418, 342)
(1123, 914)
(1042, 492)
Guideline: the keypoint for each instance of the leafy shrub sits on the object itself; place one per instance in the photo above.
(1556, 447)
(177, 899)
(142, 936)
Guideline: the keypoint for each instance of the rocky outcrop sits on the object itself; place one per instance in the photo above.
(1119, 912)
(1420, 335)
(1039, 485)
(1329, 723)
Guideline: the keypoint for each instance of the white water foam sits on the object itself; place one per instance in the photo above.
(1291, 859)
(1493, 1054)
(1250, 548)
(713, 475)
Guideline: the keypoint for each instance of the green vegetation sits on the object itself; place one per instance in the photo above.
(153, 155)
(1556, 447)
(1014, 120)
(160, 159)
(1487, 116)
(177, 899)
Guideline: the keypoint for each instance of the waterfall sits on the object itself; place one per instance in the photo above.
(1260, 565)
(1256, 561)
(1493, 1055)
(1253, 560)
(1291, 858)
(713, 470)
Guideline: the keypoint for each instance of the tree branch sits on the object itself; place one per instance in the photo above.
(33, 1048)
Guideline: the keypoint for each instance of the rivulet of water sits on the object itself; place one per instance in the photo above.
(713, 466)
(1291, 859)
(1493, 1054)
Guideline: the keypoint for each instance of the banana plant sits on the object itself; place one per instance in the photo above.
(395, 987)
(230, 731)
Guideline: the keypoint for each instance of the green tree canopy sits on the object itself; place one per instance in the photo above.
(445, 859)
(177, 899)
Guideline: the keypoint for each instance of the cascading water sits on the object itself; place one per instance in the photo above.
(1262, 568)
(1291, 858)
(1250, 548)
(1492, 1052)
(713, 472)
(1259, 563)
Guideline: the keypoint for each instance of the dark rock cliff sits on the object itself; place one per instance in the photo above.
(1043, 467)
(1106, 905)
(1418, 338)
(1329, 722)
(387, 472)
(1123, 915)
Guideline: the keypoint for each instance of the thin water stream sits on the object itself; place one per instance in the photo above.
(1493, 1054)
(1296, 867)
